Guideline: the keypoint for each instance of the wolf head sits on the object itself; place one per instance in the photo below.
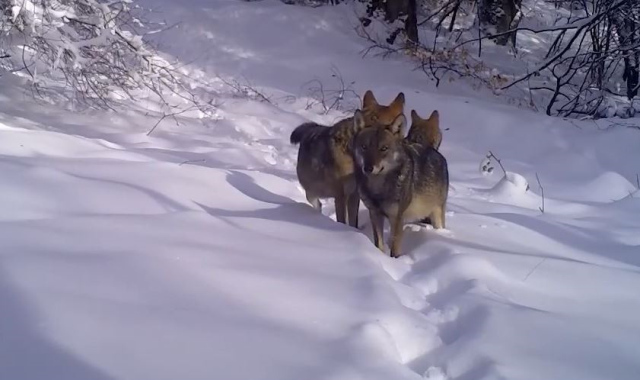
(433, 122)
(376, 113)
(425, 131)
(377, 148)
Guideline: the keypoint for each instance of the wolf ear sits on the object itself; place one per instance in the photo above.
(435, 117)
(369, 100)
(397, 105)
(434, 120)
(358, 121)
(397, 127)
(415, 117)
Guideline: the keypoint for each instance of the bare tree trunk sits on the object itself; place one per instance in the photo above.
(411, 23)
(499, 16)
(626, 22)
(396, 8)
(393, 9)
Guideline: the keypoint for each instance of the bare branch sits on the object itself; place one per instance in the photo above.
(192, 162)
(491, 155)
(534, 269)
(246, 90)
(541, 192)
(171, 115)
(340, 97)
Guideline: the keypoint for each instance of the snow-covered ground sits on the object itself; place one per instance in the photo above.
(191, 253)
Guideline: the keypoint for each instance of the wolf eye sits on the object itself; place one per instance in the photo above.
(363, 147)
(384, 148)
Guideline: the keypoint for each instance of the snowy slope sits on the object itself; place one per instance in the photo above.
(191, 254)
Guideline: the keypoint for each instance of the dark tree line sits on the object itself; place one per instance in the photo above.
(497, 16)
(592, 47)
(597, 45)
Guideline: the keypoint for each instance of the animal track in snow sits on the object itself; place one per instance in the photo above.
(433, 282)
(435, 373)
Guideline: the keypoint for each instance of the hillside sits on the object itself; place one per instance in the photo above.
(192, 254)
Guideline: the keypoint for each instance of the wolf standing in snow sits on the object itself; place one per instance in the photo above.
(399, 180)
(325, 157)
(425, 131)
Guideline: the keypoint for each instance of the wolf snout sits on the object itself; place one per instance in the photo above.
(368, 169)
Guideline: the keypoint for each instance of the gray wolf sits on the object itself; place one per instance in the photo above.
(399, 180)
(325, 157)
(425, 131)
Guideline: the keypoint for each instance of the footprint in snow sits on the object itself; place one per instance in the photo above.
(435, 373)
(442, 316)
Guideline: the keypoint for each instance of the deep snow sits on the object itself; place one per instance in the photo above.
(191, 253)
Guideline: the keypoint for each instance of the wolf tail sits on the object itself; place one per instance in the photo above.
(305, 132)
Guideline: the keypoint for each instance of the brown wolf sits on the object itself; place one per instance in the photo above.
(325, 158)
(399, 180)
(425, 131)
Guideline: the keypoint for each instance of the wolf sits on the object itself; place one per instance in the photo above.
(399, 180)
(325, 156)
(425, 131)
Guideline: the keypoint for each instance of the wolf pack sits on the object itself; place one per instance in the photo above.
(370, 157)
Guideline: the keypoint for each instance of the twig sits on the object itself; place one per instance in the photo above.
(171, 115)
(247, 90)
(191, 162)
(491, 155)
(332, 98)
(156, 124)
(534, 269)
(541, 192)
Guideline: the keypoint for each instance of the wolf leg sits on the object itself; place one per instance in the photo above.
(438, 217)
(314, 201)
(377, 226)
(396, 234)
(341, 207)
(353, 205)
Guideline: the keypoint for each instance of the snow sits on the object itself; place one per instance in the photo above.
(192, 254)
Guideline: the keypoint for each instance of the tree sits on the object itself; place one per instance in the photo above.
(90, 46)
(597, 43)
(592, 44)
(411, 23)
(499, 17)
(394, 10)
(626, 24)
